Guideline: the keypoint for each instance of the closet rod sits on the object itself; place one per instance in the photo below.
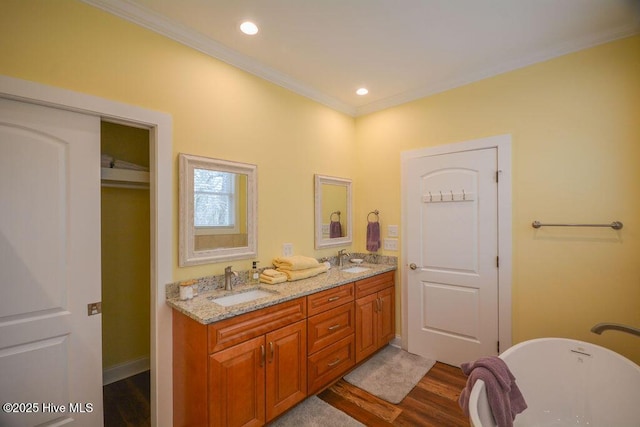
(616, 225)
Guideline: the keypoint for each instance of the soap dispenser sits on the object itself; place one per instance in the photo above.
(254, 274)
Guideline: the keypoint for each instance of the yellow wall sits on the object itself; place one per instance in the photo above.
(575, 124)
(217, 110)
(126, 282)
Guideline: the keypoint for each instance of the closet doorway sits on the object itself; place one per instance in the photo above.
(126, 271)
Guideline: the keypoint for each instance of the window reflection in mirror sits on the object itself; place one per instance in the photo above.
(218, 210)
(220, 217)
(333, 217)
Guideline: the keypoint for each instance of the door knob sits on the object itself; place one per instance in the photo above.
(413, 266)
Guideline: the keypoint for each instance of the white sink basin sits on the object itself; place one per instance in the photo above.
(355, 269)
(242, 297)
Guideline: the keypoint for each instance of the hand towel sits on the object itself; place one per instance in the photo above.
(271, 280)
(505, 398)
(335, 229)
(373, 236)
(295, 262)
(273, 273)
(293, 275)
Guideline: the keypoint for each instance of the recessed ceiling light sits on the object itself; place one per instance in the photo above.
(362, 91)
(249, 28)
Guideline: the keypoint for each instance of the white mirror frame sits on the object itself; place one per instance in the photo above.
(322, 242)
(187, 254)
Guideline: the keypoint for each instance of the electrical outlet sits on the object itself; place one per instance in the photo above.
(390, 244)
(392, 231)
(287, 249)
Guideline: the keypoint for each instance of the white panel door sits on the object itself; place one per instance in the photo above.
(452, 240)
(50, 349)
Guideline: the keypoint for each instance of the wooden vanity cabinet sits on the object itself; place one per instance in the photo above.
(248, 369)
(242, 371)
(375, 314)
(257, 380)
(331, 328)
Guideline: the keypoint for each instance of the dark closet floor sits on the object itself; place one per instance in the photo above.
(126, 402)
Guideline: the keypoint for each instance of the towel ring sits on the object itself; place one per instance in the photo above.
(376, 213)
(334, 213)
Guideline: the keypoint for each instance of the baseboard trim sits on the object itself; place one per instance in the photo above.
(396, 342)
(125, 370)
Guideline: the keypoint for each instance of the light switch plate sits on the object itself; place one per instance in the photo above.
(390, 244)
(392, 231)
(287, 249)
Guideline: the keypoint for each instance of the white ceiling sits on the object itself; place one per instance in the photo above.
(399, 49)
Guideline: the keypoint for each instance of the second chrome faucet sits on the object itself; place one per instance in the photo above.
(228, 274)
(342, 253)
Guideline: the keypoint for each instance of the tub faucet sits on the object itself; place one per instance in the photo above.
(342, 253)
(228, 285)
(601, 327)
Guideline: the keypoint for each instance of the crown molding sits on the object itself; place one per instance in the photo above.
(158, 23)
(463, 79)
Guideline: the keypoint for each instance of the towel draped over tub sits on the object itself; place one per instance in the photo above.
(504, 396)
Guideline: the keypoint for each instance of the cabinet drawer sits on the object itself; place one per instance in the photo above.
(325, 300)
(329, 327)
(374, 284)
(225, 333)
(329, 364)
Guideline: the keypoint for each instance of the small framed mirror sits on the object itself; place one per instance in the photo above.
(218, 210)
(333, 212)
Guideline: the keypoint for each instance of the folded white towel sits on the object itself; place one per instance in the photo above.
(295, 262)
(293, 275)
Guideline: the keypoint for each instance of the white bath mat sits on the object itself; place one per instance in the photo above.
(315, 412)
(391, 374)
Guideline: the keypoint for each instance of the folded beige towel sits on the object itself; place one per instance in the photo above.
(293, 275)
(295, 262)
(270, 280)
(273, 273)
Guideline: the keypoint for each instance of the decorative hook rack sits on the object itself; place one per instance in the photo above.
(447, 196)
(616, 225)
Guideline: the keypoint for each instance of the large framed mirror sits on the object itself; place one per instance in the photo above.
(218, 210)
(333, 212)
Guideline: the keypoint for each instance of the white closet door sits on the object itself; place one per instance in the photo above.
(50, 348)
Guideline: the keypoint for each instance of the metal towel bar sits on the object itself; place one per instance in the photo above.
(616, 225)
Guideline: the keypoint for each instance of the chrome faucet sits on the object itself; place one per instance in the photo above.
(228, 285)
(342, 253)
(601, 327)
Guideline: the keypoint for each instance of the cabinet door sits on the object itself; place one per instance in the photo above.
(237, 385)
(366, 326)
(386, 316)
(286, 363)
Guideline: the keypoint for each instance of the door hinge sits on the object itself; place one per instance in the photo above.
(498, 347)
(498, 262)
(497, 176)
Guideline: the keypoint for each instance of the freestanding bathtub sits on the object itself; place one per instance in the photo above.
(567, 383)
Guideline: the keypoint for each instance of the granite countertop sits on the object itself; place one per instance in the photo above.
(202, 309)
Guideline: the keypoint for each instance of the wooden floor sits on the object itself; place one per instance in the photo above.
(432, 402)
(126, 402)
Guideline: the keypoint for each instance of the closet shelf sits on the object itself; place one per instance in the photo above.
(124, 178)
